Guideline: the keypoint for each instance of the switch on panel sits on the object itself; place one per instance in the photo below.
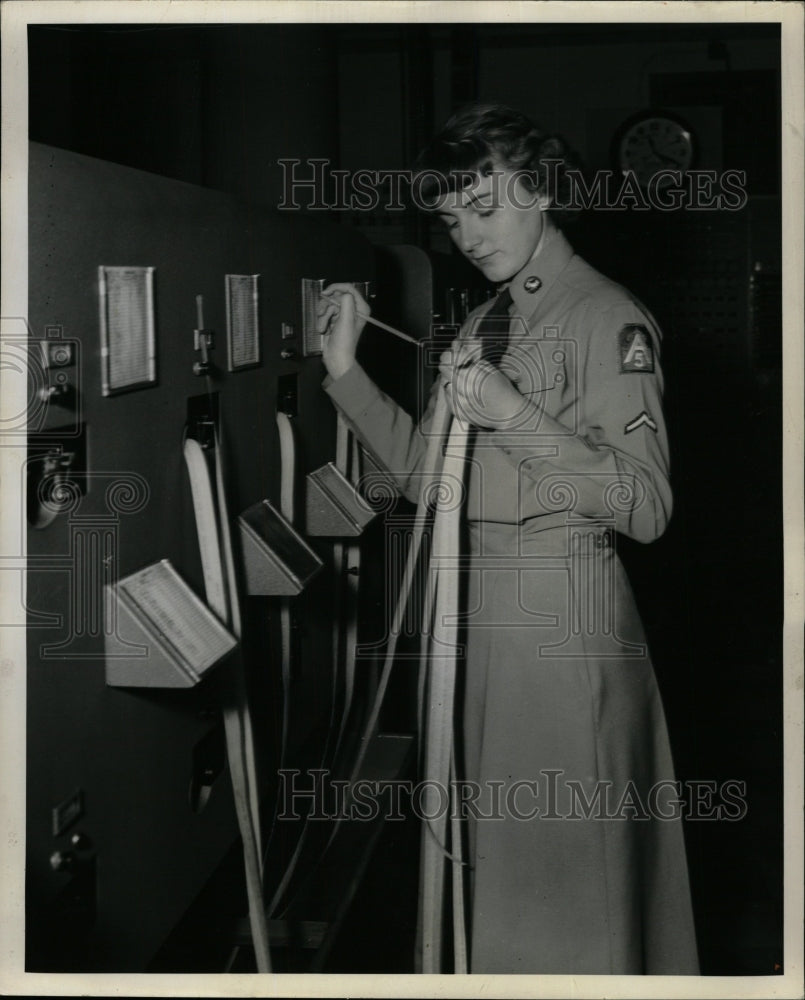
(56, 353)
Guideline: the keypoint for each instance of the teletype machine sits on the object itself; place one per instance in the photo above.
(197, 521)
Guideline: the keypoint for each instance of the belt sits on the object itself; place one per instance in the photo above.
(568, 538)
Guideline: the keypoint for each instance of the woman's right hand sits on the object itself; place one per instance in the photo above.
(337, 318)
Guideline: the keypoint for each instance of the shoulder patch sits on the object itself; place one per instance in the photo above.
(636, 352)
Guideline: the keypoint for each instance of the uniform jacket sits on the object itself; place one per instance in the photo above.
(557, 692)
(590, 438)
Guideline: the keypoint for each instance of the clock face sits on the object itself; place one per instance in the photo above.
(654, 142)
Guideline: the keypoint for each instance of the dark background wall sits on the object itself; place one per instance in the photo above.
(219, 105)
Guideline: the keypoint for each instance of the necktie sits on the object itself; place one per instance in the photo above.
(493, 329)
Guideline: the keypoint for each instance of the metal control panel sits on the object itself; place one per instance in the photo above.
(183, 298)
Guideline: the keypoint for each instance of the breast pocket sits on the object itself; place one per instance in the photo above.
(543, 369)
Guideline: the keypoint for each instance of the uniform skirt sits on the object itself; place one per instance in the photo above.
(576, 850)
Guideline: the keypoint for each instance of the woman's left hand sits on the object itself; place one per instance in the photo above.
(478, 392)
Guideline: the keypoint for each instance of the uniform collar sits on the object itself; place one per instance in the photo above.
(531, 284)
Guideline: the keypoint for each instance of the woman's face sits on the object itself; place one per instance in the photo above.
(496, 222)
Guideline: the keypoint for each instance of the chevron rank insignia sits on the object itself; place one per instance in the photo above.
(644, 420)
(636, 352)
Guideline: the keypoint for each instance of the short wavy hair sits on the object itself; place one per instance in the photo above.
(480, 138)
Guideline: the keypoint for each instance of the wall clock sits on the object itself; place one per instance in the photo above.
(653, 140)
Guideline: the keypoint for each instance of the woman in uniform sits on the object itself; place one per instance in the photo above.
(576, 852)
